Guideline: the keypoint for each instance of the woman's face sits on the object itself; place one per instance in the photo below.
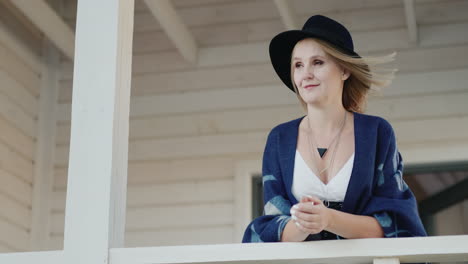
(317, 76)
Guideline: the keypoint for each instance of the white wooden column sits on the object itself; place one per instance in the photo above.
(44, 156)
(97, 174)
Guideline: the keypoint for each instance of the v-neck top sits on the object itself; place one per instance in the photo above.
(306, 182)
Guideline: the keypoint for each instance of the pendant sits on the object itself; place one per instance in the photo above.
(322, 151)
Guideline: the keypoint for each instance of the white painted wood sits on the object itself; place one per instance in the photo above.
(15, 164)
(182, 193)
(12, 42)
(287, 14)
(16, 140)
(342, 251)
(181, 236)
(14, 236)
(174, 171)
(14, 212)
(97, 181)
(386, 261)
(19, 71)
(50, 257)
(187, 147)
(167, 217)
(19, 95)
(411, 21)
(45, 151)
(49, 22)
(434, 152)
(17, 116)
(16, 188)
(164, 12)
(243, 174)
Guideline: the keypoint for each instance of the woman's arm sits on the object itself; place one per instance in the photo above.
(353, 226)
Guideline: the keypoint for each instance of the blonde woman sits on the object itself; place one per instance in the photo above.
(336, 172)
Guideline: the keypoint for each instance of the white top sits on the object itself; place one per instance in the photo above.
(305, 182)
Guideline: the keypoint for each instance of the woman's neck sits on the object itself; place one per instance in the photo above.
(325, 120)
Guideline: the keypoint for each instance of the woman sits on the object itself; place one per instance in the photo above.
(335, 173)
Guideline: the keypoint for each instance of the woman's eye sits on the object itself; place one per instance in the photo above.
(297, 64)
(318, 62)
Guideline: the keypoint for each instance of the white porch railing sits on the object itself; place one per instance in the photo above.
(383, 250)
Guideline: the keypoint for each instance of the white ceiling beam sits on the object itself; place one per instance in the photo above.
(177, 31)
(411, 21)
(287, 14)
(50, 23)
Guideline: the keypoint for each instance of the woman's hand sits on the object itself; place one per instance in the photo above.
(310, 215)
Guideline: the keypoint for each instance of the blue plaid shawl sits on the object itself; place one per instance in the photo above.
(376, 187)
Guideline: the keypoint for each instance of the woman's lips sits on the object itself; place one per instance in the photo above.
(310, 86)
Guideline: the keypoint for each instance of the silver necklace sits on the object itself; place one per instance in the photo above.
(313, 145)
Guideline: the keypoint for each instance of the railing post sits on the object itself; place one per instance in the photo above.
(97, 174)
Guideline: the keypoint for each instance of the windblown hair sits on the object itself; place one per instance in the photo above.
(362, 78)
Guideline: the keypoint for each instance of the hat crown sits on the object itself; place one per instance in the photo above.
(335, 31)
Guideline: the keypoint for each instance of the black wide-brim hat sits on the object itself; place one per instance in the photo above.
(319, 27)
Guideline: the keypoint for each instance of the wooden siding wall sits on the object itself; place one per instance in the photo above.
(19, 91)
(192, 124)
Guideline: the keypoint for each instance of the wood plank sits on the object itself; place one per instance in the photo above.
(170, 237)
(174, 27)
(167, 194)
(429, 152)
(17, 116)
(16, 139)
(15, 164)
(187, 147)
(44, 152)
(164, 217)
(420, 249)
(13, 236)
(18, 94)
(180, 236)
(16, 188)
(19, 71)
(168, 171)
(50, 23)
(15, 213)
(19, 47)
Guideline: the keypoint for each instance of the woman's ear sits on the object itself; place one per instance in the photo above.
(345, 74)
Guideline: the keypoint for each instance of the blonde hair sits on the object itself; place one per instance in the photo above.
(362, 78)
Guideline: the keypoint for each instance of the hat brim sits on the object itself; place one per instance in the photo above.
(282, 45)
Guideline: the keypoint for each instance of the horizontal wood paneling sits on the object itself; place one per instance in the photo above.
(15, 213)
(167, 217)
(20, 95)
(16, 116)
(19, 71)
(13, 236)
(15, 139)
(186, 147)
(172, 171)
(15, 164)
(182, 193)
(197, 236)
(15, 188)
(170, 237)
